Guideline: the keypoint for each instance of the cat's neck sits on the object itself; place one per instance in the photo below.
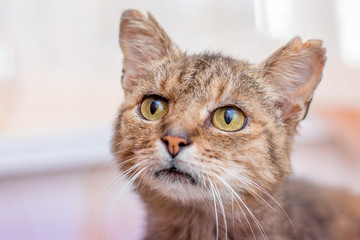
(167, 218)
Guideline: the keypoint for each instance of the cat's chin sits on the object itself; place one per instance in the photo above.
(175, 175)
(180, 191)
(177, 185)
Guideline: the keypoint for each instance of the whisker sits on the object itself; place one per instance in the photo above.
(216, 214)
(222, 209)
(257, 186)
(227, 185)
(247, 220)
(276, 202)
(132, 178)
(246, 207)
(116, 179)
(249, 181)
(246, 184)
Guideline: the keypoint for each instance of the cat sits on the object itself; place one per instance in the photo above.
(206, 141)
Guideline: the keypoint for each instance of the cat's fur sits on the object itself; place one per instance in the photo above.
(239, 187)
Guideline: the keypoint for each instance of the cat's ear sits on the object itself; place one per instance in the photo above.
(295, 70)
(143, 42)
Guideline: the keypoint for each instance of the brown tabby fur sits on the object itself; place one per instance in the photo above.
(243, 172)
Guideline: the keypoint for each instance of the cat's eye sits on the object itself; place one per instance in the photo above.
(154, 108)
(228, 119)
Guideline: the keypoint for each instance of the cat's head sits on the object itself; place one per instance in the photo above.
(191, 126)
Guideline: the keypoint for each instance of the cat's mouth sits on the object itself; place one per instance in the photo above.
(175, 174)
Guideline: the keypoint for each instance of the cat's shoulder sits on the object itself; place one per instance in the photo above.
(322, 208)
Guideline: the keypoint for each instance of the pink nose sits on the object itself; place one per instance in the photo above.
(174, 144)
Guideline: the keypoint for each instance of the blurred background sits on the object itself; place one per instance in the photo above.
(60, 68)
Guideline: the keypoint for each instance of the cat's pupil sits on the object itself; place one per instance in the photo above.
(228, 115)
(154, 106)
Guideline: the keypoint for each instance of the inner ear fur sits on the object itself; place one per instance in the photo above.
(143, 42)
(295, 70)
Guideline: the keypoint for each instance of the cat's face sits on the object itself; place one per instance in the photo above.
(194, 126)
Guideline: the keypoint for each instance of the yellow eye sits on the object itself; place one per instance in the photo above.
(228, 119)
(153, 108)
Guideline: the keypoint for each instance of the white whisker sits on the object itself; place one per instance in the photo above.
(95, 199)
(216, 213)
(132, 178)
(222, 209)
(246, 207)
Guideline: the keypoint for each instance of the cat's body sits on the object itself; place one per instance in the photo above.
(315, 213)
(207, 139)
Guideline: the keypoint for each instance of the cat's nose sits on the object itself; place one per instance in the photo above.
(174, 143)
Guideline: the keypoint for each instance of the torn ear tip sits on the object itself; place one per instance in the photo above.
(297, 42)
(313, 43)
